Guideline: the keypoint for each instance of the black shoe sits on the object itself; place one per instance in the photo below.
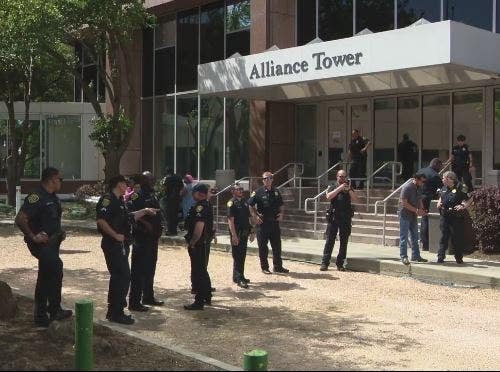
(194, 306)
(153, 302)
(323, 268)
(212, 289)
(246, 280)
(440, 260)
(420, 259)
(138, 307)
(281, 270)
(266, 271)
(242, 284)
(405, 261)
(42, 322)
(459, 261)
(340, 268)
(193, 291)
(61, 315)
(122, 319)
(208, 301)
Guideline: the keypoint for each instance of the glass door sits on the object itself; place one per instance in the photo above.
(360, 118)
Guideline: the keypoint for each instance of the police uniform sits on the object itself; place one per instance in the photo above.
(145, 248)
(461, 163)
(173, 186)
(358, 166)
(268, 203)
(339, 217)
(200, 279)
(44, 214)
(113, 210)
(452, 221)
(238, 209)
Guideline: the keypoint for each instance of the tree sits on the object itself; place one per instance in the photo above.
(108, 28)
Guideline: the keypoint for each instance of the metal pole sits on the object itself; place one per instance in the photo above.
(84, 358)
(217, 213)
(300, 192)
(383, 230)
(255, 360)
(315, 214)
(18, 199)
(393, 175)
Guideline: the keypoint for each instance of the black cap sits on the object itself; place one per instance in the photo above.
(200, 187)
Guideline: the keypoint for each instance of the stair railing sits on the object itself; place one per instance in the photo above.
(315, 211)
(298, 171)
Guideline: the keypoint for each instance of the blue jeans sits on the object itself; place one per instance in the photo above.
(408, 225)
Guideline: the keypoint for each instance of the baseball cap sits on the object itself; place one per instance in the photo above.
(200, 187)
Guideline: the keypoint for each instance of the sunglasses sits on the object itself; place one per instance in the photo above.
(60, 179)
(267, 178)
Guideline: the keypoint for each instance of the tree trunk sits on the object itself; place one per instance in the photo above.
(12, 153)
(111, 164)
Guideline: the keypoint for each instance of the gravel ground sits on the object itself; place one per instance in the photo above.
(305, 320)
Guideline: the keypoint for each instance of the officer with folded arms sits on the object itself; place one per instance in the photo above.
(238, 218)
(114, 223)
(40, 221)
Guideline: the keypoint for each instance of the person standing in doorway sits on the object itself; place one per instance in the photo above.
(462, 162)
(358, 155)
(407, 154)
(173, 187)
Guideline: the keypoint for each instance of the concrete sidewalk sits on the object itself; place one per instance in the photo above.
(362, 257)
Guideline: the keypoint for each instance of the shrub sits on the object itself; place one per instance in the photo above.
(88, 190)
(486, 218)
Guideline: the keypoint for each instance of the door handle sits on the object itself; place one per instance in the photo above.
(320, 153)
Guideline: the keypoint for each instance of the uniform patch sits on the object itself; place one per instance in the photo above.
(276, 193)
(199, 208)
(229, 203)
(465, 188)
(33, 198)
(454, 191)
(106, 202)
(134, 196)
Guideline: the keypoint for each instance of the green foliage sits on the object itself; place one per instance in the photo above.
(110, 131)
(486, 218)
(88, 190)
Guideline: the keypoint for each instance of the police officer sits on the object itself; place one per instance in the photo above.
(462, 162)
(407, 154)
(147, 232)
(40, 221)
(238, 218)
(114, 223)
(266, 208)
(199, 225)
(340, 195)
(429, 192)
(452, 203)
(173, 187)
(358, 154)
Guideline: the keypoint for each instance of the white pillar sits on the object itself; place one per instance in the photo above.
(18, 199)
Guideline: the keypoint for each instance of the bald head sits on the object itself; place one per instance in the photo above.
(267, 179)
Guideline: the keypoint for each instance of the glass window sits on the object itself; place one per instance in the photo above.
(337, 135)
(165, 32)
(165, 118)
(147, 62)
(335, 19)
(237, 15)
(385, 133)
(409, 123)
(477, 13)
(187, 50)
(90, 80)
(63, 144)
(436, 128)
(496, 132)
(187, 135)
(238, 42)
(468, 120)
(165, 70)
(305, 138)
(212, 32)
(237, 136)
(375, 15)
(306, 21)
(147, 134)
(211, 136)
(410, 11)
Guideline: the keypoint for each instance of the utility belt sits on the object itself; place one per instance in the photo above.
(450, 212)
(54, 242)
(333, 214)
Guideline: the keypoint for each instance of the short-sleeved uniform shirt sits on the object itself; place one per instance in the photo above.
(238, 208)
(146, 198)
(433, 182)
(268, 202)
(43, 210)
(200, 212)
(412, 194)
(173, 185)
(460, 156)
(453, 196)
(114, 211)
(340, 204)
(356, 146)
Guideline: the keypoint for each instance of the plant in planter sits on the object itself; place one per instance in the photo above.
(486, 218)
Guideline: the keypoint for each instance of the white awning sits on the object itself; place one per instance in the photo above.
(423, 55)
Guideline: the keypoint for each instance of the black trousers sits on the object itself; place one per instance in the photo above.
(358, 170)
(172, 205)
(269, 231)
(334, 228)
(464, 176)
(116, 256)
(424, 224)
(200, 279)
(239, 255)
(452, 227)
(143, 269)
(407, 171)
(49, 281)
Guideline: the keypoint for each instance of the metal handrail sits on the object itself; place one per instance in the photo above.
(394, 173)
(315, 211)
(445, 166)
(296, 174)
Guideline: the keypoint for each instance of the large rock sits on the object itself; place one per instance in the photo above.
(62, 331)
(8, 303)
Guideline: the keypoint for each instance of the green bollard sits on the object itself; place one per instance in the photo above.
(84, 323)
(255, 360)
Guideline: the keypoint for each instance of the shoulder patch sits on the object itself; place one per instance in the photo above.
(106, 202)
(253, 193)
(465, 188)
(134, 196)
(454, 191)
(33, 198)
(229, 203)
(276, 193)
(199, 208)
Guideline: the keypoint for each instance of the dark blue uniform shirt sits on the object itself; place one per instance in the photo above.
(44, 211)
(114, 211)
(268, 203)
(239, 210)
(433, 182)
(145, 198)
(460, 157)
(200, 212)
(451, 197)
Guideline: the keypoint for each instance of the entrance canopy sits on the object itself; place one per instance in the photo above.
(417, 56)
